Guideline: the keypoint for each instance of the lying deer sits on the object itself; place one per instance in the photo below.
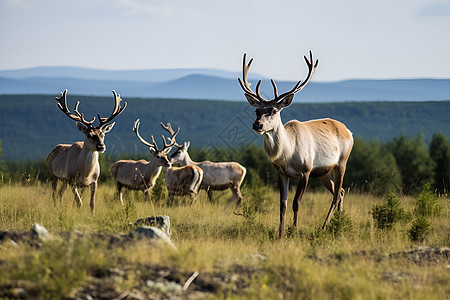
(141, 175)
(300, 150)
(216, 175)
(77, 164)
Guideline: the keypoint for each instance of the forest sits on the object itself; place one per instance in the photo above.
(31, 125)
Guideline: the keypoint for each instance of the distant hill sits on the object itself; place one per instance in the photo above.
(31, 125)
(209, 84)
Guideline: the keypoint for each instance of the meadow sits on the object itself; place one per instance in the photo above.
(236, 256)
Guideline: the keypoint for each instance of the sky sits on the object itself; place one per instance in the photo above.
(353, 39)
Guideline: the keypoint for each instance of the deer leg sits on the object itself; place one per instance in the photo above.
(147, 195)
(54, 181)
(338, 196)
(283, 183)
(77, 197)
(93, 192)
(328, 183)
(62, 189)
(119, 192)
(236, 196)
(301, 187)
(170, 198)
(209, 191)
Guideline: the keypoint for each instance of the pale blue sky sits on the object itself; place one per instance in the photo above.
(380, 39)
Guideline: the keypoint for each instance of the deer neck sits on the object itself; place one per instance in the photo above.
(88, 160)
(153, 170)
(277, 143)
(187, 160)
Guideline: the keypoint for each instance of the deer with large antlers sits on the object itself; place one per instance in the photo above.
(216, 175)
(300, 150)
(142, 175)
(77, 164)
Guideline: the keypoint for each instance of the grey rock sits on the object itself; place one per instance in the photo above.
(40, 232)
(161, 222)
(153, 233)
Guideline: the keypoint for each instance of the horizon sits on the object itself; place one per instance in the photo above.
(263, 78)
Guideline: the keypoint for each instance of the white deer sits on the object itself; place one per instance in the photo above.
(216, 175)
(141, 175)
(77, 164)
(300, 150)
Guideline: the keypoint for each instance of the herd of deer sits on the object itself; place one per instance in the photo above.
(298, 150)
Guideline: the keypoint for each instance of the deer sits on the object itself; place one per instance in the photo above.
(300, 150)
(77, 164)
(141, 175)
(216, 175)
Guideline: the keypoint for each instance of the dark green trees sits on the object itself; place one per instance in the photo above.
(413, 161)
(440, 154)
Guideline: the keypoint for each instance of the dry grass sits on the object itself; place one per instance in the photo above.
(307, 264)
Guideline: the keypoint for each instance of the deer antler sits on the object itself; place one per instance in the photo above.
(173, 134)
(297, 88)
(300, 85)
(245, 84)
(136, 131)
(117, 110)
(62, 104)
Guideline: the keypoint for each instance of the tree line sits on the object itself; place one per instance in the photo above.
(404, 164)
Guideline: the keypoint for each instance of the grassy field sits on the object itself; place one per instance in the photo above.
(236, 256)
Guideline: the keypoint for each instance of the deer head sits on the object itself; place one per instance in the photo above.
(181, 152)
(268, 111)
(95, 136)
(160, 155)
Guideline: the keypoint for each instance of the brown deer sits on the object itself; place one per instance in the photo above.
(77, 164)
(216, 175)
(141, 175)
(300, 150)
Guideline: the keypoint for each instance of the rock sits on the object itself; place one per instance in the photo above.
(164, 287)
(40, 232)
(154, 234)
(424, 254)
(161, 222)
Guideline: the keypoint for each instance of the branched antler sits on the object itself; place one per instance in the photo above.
(143, 141)
(245, 84)
(117, 110)
(62, 104)
(300, 85)
(153, 145)
(173, 134)
(297, 88)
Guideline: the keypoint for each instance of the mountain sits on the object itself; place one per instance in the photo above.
(209, 84)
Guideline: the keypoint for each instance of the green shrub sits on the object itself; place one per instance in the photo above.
(419, 229)
(427, 203)
(340, 223)
(390, 212)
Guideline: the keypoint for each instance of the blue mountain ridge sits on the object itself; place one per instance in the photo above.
(209, 84)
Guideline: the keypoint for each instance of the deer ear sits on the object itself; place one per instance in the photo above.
(81, 127)
(186, 145)
(107, 128)
(252, 100)
(286, 101)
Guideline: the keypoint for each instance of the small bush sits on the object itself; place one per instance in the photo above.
(426, 204)
(340, 223)
(419, 229)
(388, 213)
